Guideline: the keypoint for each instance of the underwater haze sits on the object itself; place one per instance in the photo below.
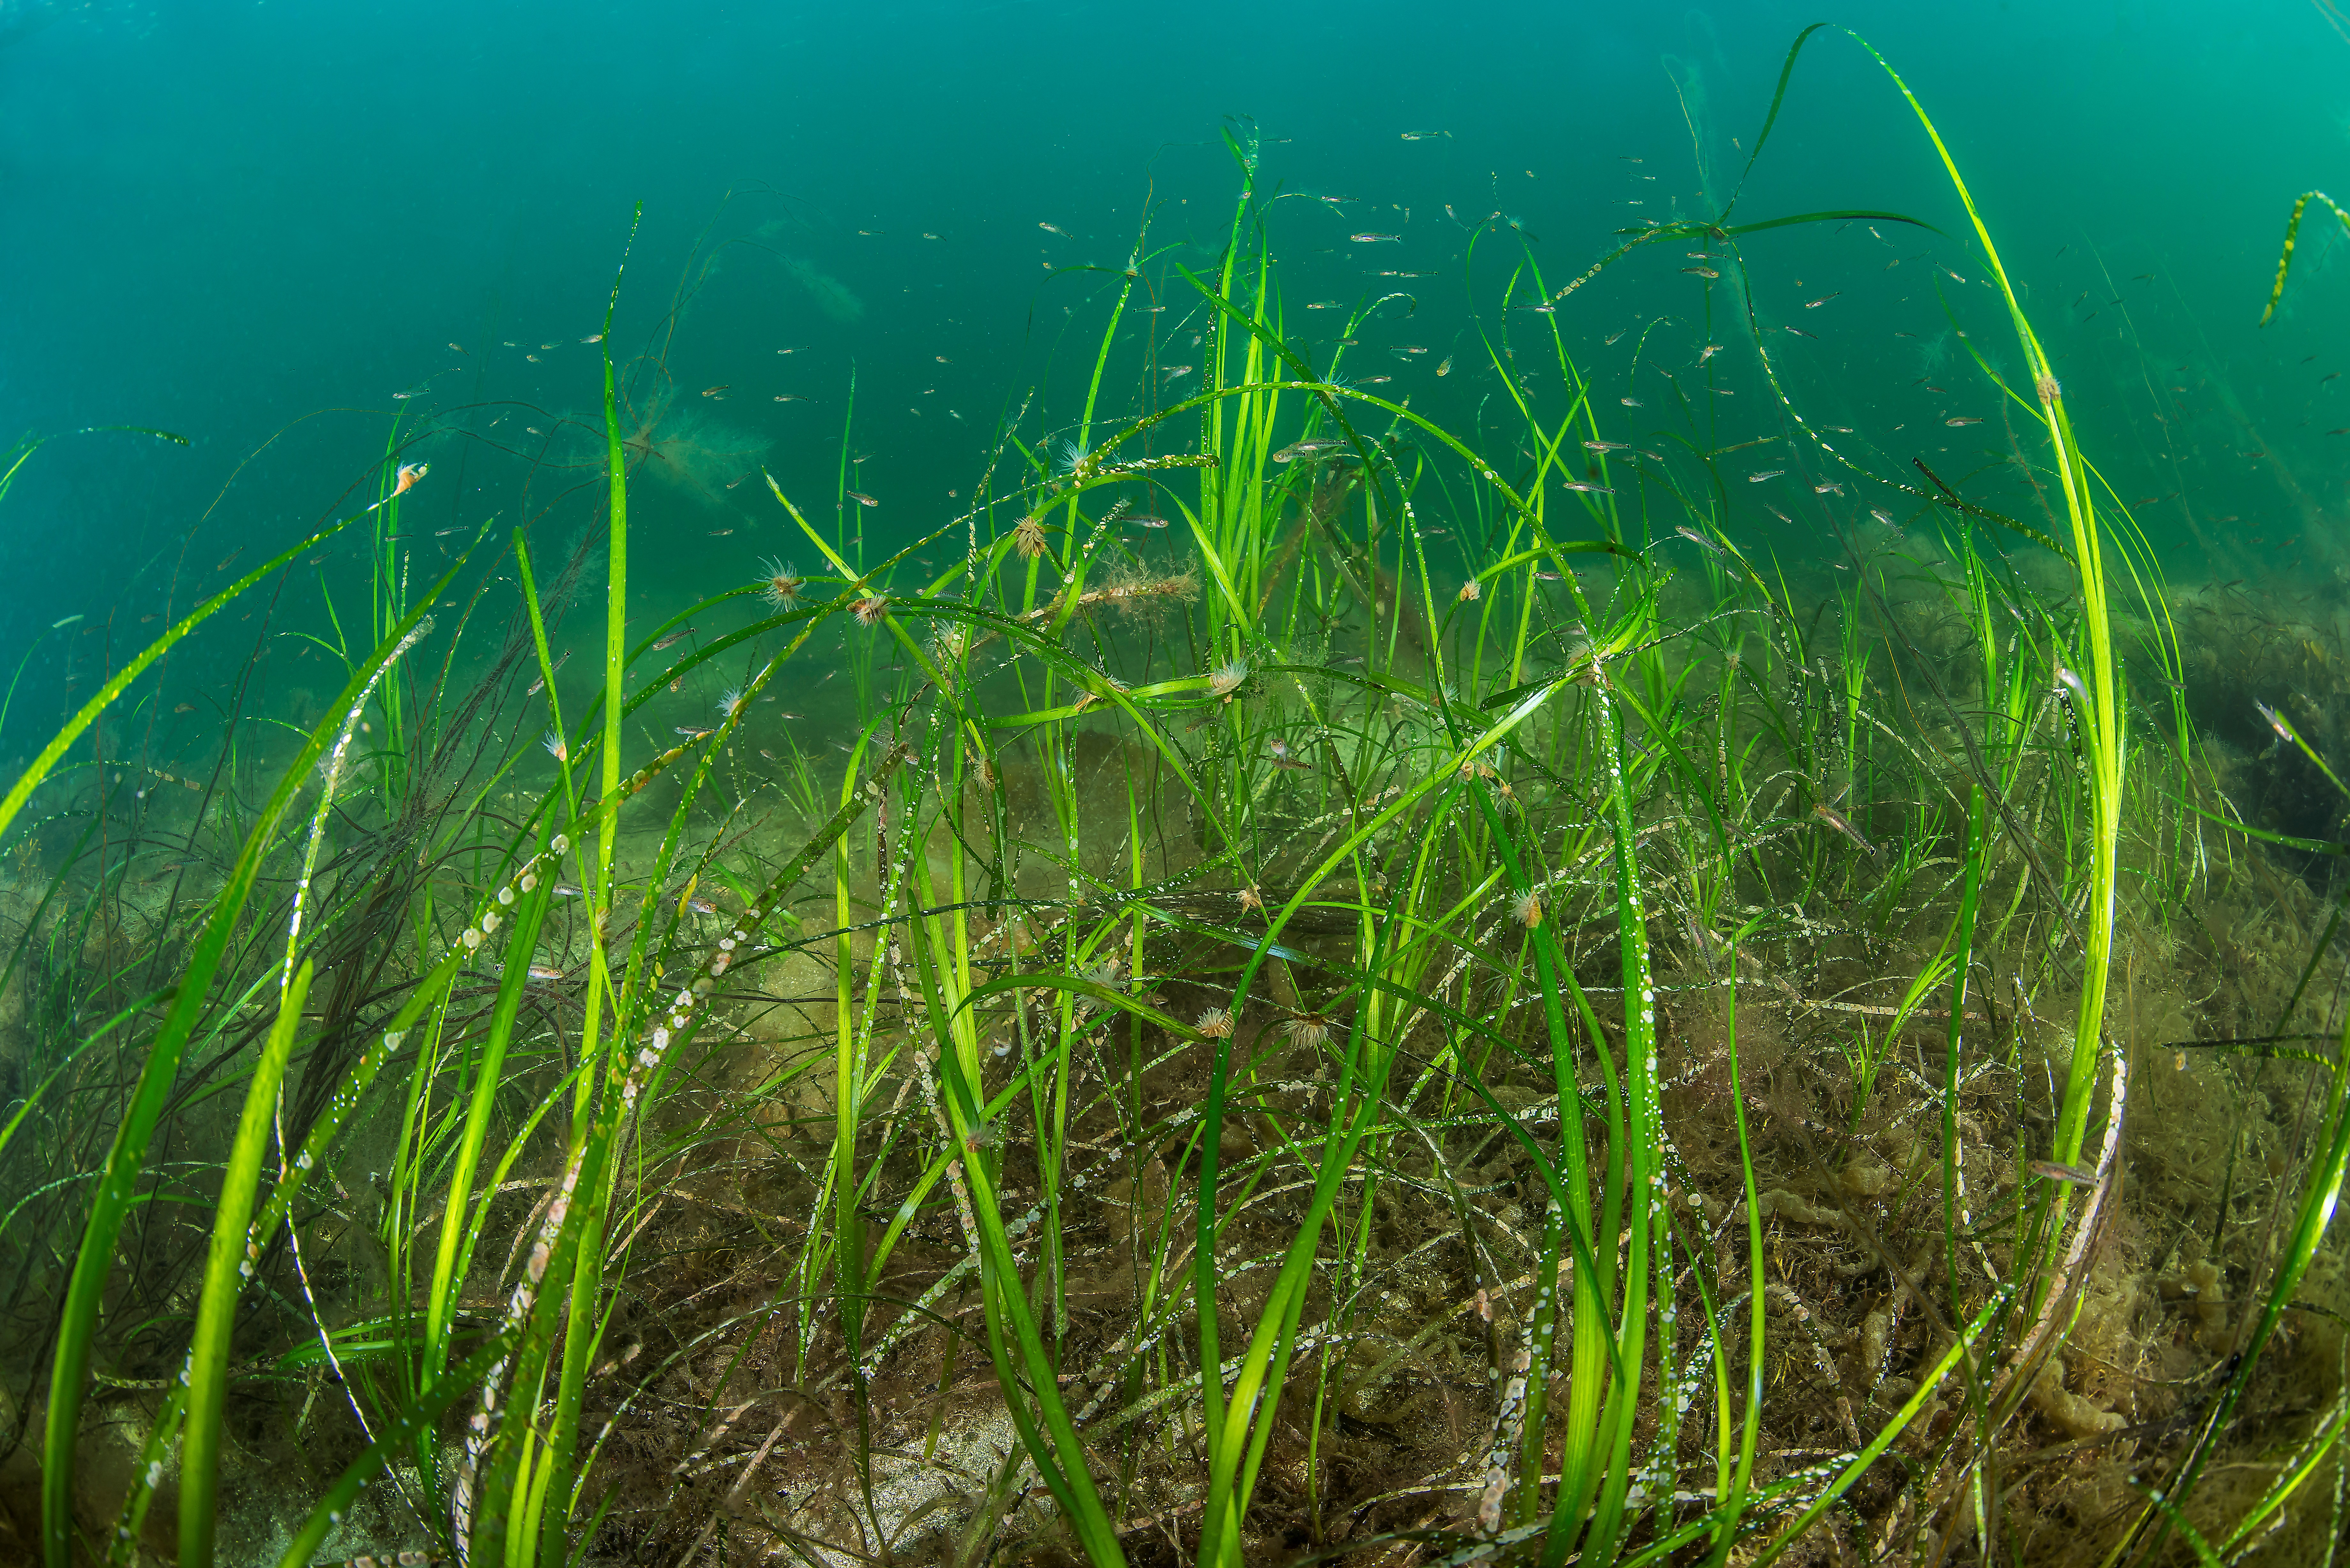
(1021, 782)
(259, 225)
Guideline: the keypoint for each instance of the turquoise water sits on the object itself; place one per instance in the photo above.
(259, 226)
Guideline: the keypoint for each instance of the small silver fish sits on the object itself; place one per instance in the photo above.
(680, 633)
(1587, 488)
(1374, 239)
(2053, 1171)
(1146, 521)
(862, 499)
(1841, 826)
(1606, 445)
(1963, 420)
(1827, 489)
(1883, 517)
(1765, 473)
(1284, 756)
(539, 685)
(545, 971)
(1056, 229)
(566, 890)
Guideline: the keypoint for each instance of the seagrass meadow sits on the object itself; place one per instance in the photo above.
(1532, 947)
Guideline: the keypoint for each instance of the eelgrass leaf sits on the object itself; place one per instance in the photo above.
(126, 1160)
(39, 769)
(2266, 835)
(2292, 237)
(226, 1266)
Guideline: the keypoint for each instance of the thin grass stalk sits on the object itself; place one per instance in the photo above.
(616, 636)
(2101, 718)
(1732, 1482)
(40, 767)
(126, 1160)
(227, 1268)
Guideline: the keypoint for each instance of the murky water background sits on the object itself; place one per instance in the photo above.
(256, 226)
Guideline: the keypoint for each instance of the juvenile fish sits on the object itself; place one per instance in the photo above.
(539, 685)
(1701, 272)
(1148, 521)
(862, 499)
(1963, 420)
(1588, 489)
(1846, 828)
(1313, 446)
(2053, 1171)
(1374, 239)
(679, 635)
(1766, 473)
